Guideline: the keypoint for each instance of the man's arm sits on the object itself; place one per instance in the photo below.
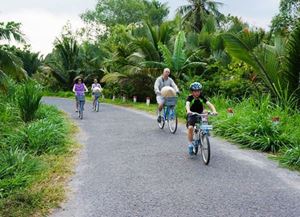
(156, 86)
(174, 86)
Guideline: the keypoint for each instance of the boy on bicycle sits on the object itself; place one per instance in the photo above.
(163, 81)
(194, 103)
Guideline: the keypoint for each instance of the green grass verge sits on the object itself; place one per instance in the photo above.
(34, 167)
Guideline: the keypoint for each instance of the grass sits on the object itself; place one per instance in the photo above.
(36, 158)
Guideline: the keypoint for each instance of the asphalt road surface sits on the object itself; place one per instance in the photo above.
(129, 167)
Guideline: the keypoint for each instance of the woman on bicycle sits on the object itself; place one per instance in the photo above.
(79, 88)
(96, 89)
(194, 103)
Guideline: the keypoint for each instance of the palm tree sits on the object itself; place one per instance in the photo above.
(278, 64)
(9, 63)
(178, 61)
(65, 61)
(196, 12)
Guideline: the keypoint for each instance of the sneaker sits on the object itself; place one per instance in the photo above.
(76, 110)
(159, 119)
(191, 149)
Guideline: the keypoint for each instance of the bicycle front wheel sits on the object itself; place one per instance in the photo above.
(97, 106)
(205, 149)
(161, 124)
(172, 121)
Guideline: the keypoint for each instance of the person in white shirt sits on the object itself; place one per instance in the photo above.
(163, 81)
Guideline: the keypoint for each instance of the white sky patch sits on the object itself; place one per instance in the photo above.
(41, 27)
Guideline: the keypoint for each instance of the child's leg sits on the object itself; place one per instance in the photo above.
(190, 134)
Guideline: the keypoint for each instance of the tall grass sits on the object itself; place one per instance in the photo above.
(28, 97)
(17, 170)
(33, 146)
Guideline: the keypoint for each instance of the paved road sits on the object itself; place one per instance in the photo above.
(128, 167)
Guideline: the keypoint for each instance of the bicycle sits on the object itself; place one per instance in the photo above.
(96, 101)
(201, 136)
(169, 114)
(81, 101)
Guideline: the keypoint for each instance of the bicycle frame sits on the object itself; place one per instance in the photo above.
(169, 111)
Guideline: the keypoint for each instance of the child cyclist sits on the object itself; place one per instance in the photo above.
(194, 103)
(96, 89)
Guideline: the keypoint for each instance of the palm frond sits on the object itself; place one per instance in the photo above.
(292, 60)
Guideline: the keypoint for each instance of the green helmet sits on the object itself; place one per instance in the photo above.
(195, 86)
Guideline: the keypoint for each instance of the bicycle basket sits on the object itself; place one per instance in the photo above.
(97, 94)
(206, 127)
(170, 101)
(81, 98)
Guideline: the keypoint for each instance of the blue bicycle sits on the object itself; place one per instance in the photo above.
(201, 136)
(169, 114)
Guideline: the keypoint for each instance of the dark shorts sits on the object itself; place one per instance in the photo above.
(191, 120)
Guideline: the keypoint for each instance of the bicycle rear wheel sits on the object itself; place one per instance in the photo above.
(172, 120)
(205, 149)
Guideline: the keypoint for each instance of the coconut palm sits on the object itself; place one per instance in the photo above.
(196, 12)
(65, 61)
(177, 60)
(9, 63)
(278, 64)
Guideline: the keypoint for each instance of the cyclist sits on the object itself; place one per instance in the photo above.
(96, 88)
(163, 81)
(194, 103)
(79, 88)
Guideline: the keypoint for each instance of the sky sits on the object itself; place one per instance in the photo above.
(42, 21)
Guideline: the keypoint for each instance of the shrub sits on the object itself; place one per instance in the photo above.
(29, 96)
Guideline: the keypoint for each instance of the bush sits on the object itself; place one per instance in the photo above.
(17, 169)
(29, 96)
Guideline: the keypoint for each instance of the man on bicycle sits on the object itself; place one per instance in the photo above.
(163, 81)
(194, 103)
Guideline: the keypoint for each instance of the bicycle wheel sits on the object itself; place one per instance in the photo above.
(195, 149)
(97, 106)
(205, 148)
(172, 120)
(161, 124)
(81, 104)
